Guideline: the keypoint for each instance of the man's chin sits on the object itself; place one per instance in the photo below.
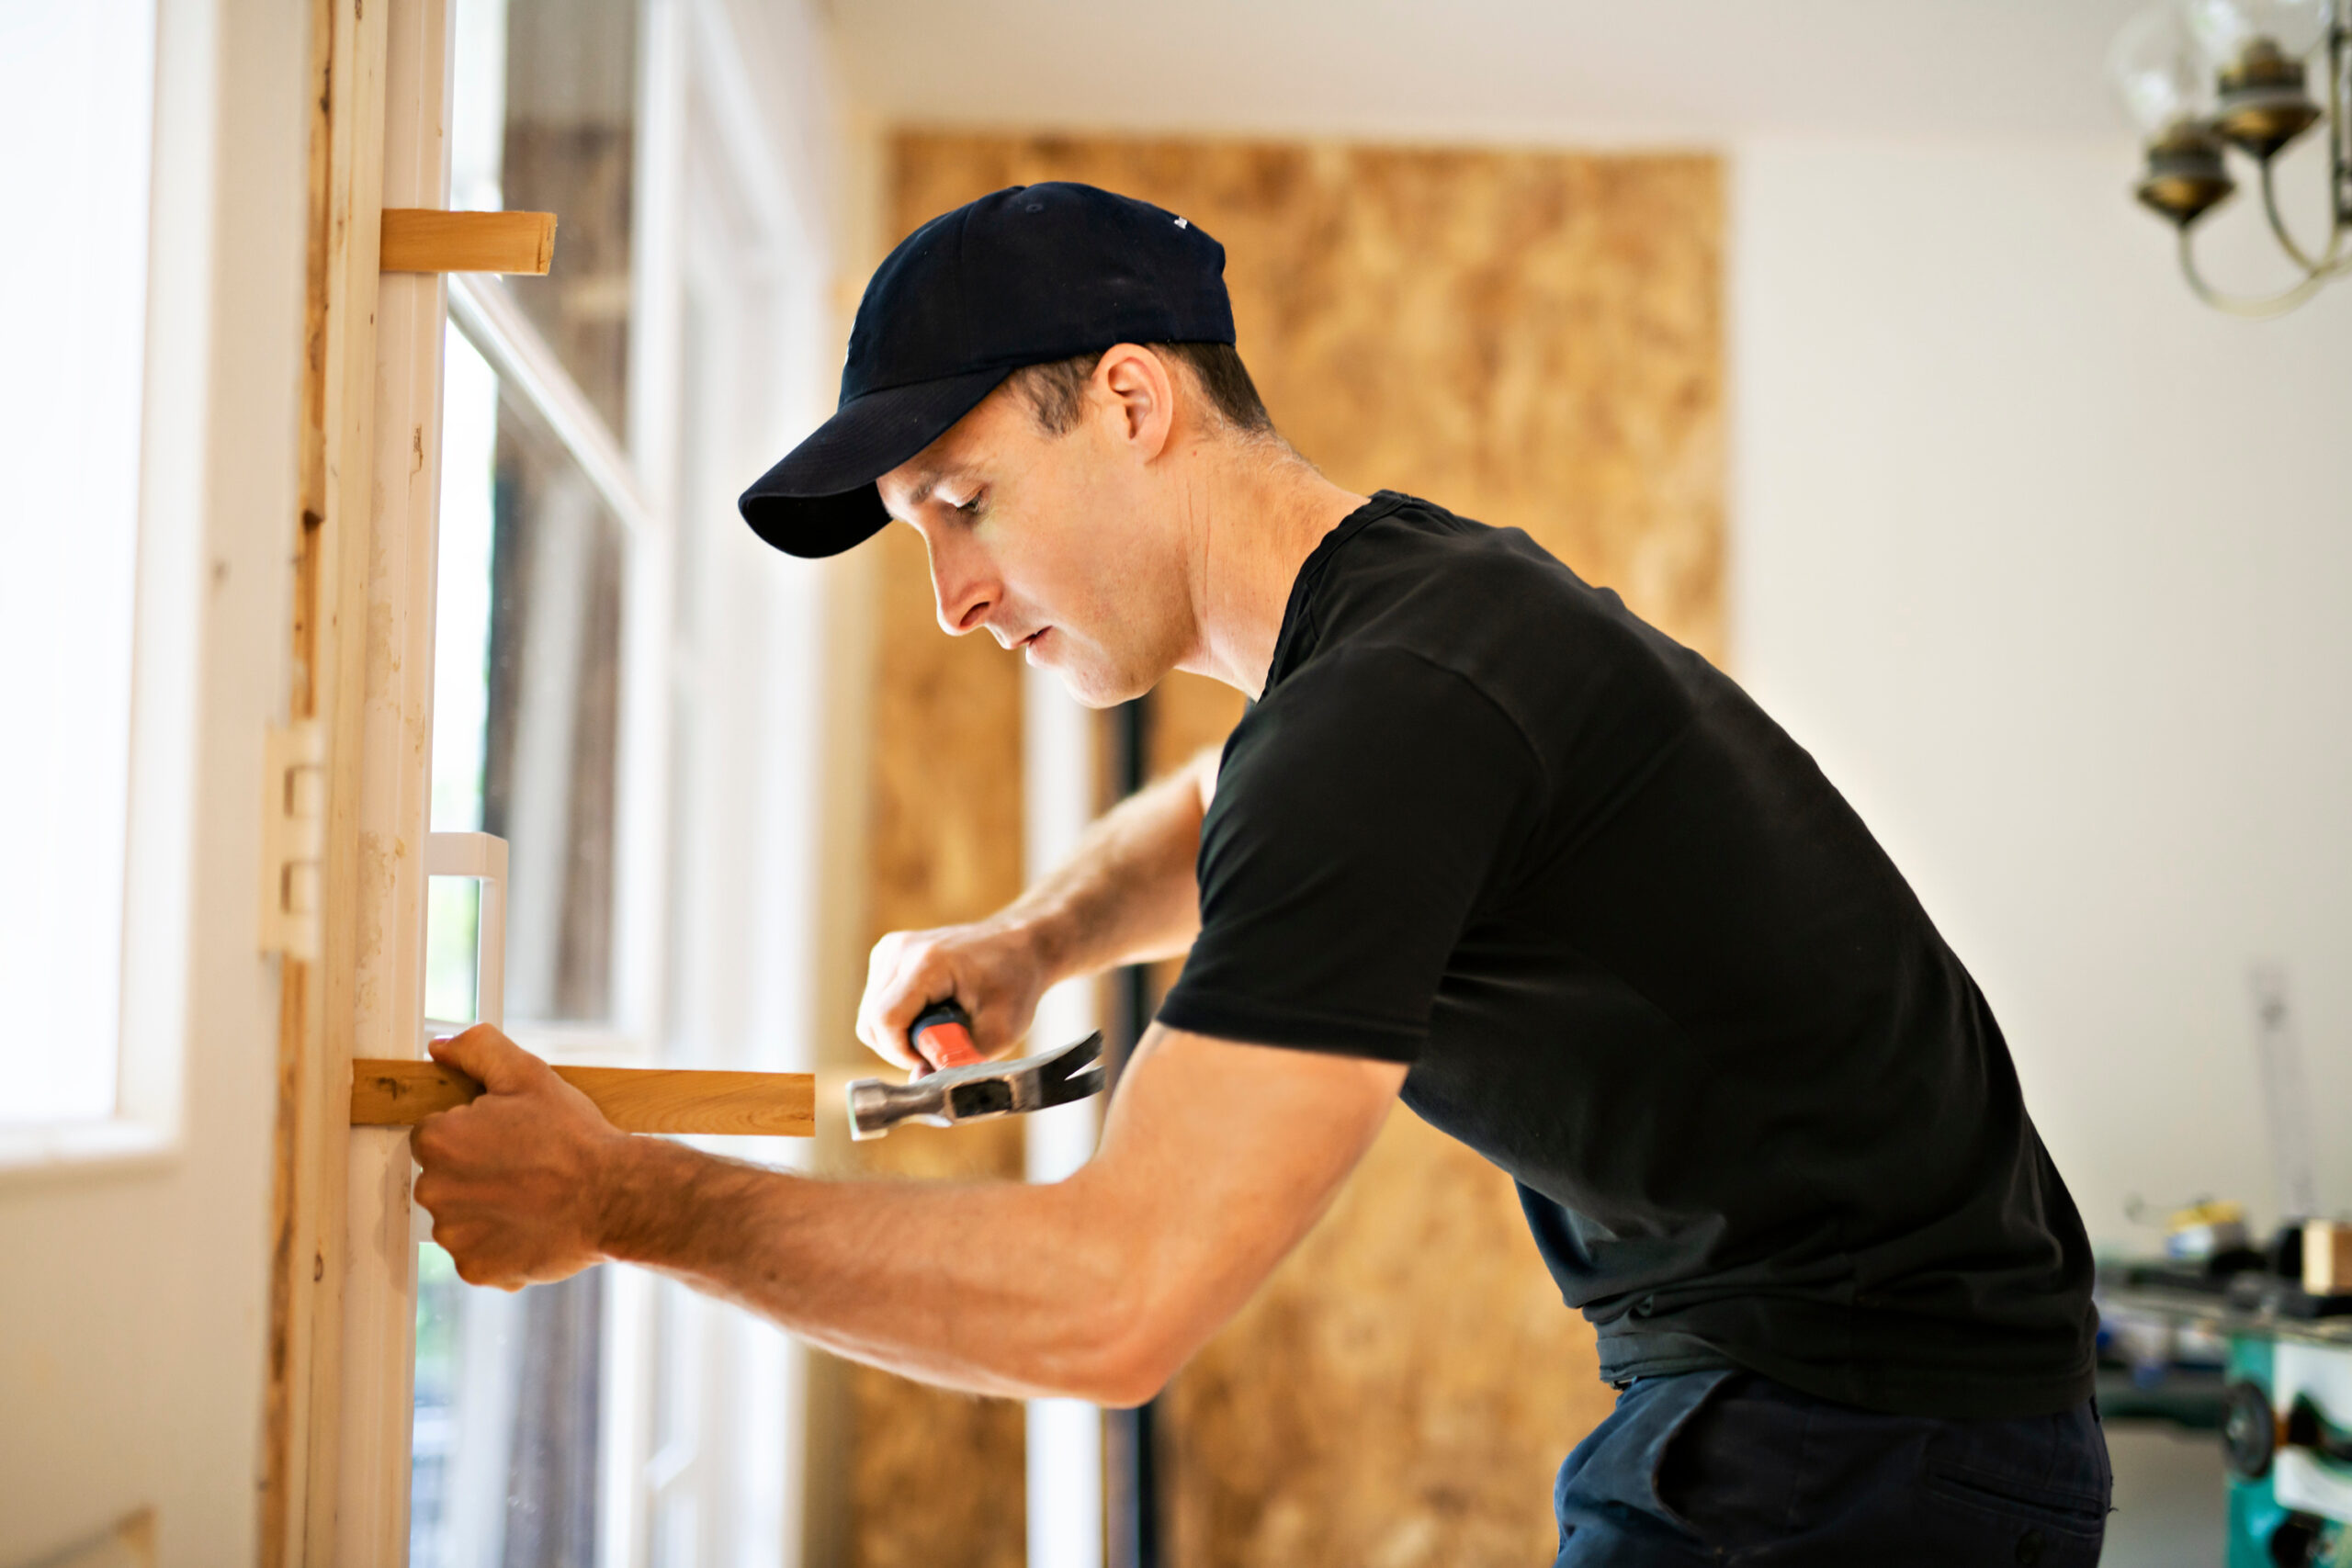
(1092, 687)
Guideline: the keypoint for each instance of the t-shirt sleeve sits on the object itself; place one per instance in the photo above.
(1362, 812)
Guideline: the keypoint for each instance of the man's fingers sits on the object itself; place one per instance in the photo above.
(881, 967)
(908, 972)
(484, 1053)
(883, 1012)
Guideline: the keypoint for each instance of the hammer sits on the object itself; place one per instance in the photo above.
(976, 1093)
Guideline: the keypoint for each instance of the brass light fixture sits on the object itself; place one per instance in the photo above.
(2199, 76)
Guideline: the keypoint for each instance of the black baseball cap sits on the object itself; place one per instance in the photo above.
(1027, 275)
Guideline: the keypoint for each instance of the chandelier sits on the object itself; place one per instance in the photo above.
(2199, 76)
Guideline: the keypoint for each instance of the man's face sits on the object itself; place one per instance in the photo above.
(1050, 543)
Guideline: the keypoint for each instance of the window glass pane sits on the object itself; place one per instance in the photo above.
(526, 691)
(75, 101)
(508, 1400)
(546, 121)
(526, 711)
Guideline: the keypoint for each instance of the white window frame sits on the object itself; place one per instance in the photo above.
(144, 1125)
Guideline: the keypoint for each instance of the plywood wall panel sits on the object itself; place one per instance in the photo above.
(937, 1477)
(1534, 340)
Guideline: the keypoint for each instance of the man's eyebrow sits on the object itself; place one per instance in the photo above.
(921, 493)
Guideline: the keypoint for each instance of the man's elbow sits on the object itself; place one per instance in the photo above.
(1135, 1347)
(1123, 1378)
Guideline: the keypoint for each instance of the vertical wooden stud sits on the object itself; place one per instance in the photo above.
(300, 1432)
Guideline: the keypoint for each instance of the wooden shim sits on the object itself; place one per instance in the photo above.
(386, 1092)
(419, 238)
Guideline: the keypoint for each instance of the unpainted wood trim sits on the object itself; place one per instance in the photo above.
(418, 239)
(346, 104)
(375, 1408)
(396, 1092)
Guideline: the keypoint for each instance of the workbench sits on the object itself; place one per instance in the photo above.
(2281, 1397)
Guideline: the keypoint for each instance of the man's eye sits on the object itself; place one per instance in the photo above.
(971, 507)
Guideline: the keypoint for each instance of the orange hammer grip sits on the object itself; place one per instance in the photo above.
(950, 1028)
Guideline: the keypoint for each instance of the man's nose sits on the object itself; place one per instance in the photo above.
(964, 597)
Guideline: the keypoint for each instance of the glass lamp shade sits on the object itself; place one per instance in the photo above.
(2224, 29)
(2156, 75)
(2256, 51)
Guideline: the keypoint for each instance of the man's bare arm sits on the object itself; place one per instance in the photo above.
(1216, 1159)
(1126, 895)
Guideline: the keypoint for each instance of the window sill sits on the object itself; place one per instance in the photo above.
(74, 1149)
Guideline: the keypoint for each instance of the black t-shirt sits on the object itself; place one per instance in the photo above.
(1644, 957)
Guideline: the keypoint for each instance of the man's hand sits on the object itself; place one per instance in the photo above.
(1125, 895)
(516, 1181)
(993, 968)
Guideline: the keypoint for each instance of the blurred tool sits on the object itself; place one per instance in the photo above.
(2206, 1231)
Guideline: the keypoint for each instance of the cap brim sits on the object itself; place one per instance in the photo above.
(821, 500)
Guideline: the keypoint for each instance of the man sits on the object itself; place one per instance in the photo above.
(1485, 840)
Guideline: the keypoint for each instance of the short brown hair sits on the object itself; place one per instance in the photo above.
(1057, 390)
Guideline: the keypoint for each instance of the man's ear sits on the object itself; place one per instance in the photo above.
(1134, 385)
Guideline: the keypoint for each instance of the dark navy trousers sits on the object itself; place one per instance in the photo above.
(1731, 1467)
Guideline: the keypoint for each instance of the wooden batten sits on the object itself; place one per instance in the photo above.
(419, 238)
(399, 1093)
(387, 678)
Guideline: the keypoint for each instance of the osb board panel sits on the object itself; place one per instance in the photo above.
(1189, 714)
(937, 1477)
(1532, 339)
(1401, 1391)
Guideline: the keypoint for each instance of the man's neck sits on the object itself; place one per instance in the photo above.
(1258, 515)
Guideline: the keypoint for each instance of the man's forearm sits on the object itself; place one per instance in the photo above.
(1128, 894)
(1001, 1288)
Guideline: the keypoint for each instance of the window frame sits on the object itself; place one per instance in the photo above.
(340, 1459)
(141, 1128)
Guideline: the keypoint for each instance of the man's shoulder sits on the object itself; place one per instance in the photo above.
(1488, 604)
(1403, 533)
(1419, 576)
(1369, 714)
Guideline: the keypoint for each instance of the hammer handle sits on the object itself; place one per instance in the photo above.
(950, 1028)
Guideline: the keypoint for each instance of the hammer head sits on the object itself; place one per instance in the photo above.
(979, 1092)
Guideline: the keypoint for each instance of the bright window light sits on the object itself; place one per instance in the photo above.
(460, 663)
(76, 101)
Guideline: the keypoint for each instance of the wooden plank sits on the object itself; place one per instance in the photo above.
(297, 1501)
(374, 1402)
(417, 239)
(391, 1093)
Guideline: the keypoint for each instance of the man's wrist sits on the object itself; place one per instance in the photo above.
(1046, 938)
(623, 1198)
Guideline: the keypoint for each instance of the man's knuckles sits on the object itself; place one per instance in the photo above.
(433, 1141)
(475, 1269)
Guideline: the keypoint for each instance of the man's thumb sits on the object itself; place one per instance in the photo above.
(484, 1053)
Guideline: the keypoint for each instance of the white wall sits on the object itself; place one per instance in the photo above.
(2051, 568)
(134, 1299)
